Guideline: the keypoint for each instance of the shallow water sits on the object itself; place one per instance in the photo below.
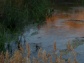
(60, 27)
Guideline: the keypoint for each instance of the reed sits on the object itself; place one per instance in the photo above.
(2, 57)
(42, 56)
(69, 46)
(75, 61)
(50, 58)
(7, 57)
(54, 46)
(17, 57)
(69, 60)
(40, 53)
(28, 50)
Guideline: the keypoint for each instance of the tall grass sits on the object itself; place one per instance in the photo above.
(42, 57)
(16, 14)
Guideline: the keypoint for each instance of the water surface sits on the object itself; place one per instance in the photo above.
(61, 27)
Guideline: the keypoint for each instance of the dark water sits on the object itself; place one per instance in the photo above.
(61, 27)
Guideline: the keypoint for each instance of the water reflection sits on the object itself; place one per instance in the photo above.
(73, 19)
(60, 27)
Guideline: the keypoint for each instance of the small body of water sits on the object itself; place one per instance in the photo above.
(60, 27)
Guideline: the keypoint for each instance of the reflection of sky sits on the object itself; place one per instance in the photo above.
(60, 28)
(65, 22)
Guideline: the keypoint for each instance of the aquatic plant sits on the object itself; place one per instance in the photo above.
(42, 57)
(16, 14)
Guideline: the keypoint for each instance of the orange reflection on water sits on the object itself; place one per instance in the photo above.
(73, 19)
(51, 21)
(58, 16)
(75, 25)
(80, 16)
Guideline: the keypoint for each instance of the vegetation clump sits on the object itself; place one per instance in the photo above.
(42, 56)
(16, 14)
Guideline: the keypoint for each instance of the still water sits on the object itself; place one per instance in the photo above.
(61, 27)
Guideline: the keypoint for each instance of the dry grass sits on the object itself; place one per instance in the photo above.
(54, 46)
(42, 57)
